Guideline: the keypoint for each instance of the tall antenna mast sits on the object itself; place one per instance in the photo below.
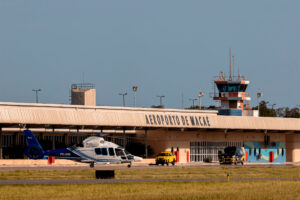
(239, 75)
(182, 101)
(82, 77)
(230, 77)
(233, 67)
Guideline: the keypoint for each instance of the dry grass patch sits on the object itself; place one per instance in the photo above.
(214, 173)
(47, 174)
(156, 190)
(159, 173)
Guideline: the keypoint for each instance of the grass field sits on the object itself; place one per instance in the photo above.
(165, 173)
(163, 190)
(158, 190)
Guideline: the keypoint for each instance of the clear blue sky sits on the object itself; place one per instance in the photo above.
(165, 47)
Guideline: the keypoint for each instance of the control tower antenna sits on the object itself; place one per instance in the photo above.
(233, 66)
(182, 101)
(230, 76)
(239, 75)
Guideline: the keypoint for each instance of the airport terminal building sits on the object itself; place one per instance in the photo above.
(196, 135)
(193, 135)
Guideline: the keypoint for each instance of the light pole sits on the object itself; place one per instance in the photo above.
(123, 94)
(259, 94)
(36, 94)
(200, 95)
(193, 100)
(273, 111)
(160, 99)
(134, 88)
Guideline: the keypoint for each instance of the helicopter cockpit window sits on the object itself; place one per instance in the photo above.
(127, 153)
(129, 156)
(119, 152)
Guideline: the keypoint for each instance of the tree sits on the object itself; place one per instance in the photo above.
(193, 108)
(264, 111)
(292, 113)
(280, 112)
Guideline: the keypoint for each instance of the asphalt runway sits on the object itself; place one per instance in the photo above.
(124, 166)
(111, 181)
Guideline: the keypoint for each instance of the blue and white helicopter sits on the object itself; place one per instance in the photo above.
(95, 150)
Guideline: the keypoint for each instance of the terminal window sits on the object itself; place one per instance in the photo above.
(208, 151)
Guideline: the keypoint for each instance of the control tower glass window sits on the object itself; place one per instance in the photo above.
(243, 87)
(222, 87)
(232, 87)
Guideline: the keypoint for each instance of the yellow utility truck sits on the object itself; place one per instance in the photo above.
(165, 158)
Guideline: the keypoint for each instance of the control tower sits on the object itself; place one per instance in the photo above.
(83, 94)
(232, 94)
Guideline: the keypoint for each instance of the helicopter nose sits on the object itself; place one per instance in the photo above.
(137, 158)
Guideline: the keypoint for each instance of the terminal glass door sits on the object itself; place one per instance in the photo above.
(205, 151)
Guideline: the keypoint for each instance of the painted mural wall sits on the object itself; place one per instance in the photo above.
(260, 152)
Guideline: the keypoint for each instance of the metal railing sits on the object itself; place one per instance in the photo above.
(222, 77)
(84, 86)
